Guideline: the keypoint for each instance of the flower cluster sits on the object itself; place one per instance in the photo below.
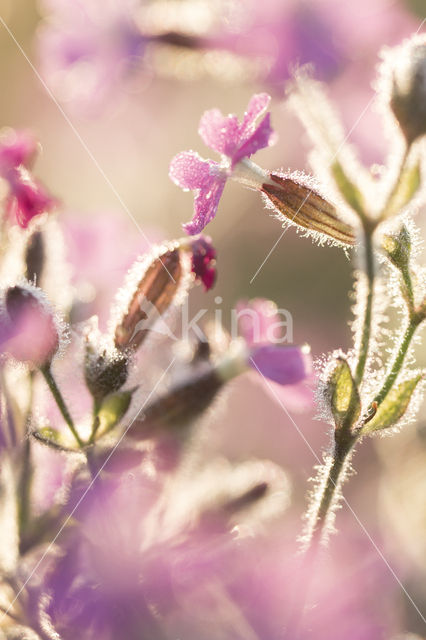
(294, 198)
(117, 521)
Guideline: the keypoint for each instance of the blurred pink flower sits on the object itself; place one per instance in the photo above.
(327, 33)
(291, 367)
(234, 141)
(16, 147)
(27, 197)
(89, 47)
(29, 328)
(101, 249)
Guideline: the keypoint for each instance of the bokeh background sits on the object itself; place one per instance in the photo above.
(112, 158)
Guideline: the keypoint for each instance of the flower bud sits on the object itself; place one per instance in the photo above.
(300, 204)
(398, 248)
(407, 68)
(153, 294)
(182, 404)
(105, 373)
(29, 329)
(203, 261)
(159, 281)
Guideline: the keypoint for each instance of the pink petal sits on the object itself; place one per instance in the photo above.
(297, 398)
(28, 198)
(256, 107)
(205, 204)
(225, 135)
(220, 133)
(258, 321)
(263, 136)
(285, 365)
(18, 147)
(189, 171)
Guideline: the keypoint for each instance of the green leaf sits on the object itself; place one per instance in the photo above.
(345, 401)
(408, 185)
(53, 438)
(393, 406)
(112, 410)
(349, 191)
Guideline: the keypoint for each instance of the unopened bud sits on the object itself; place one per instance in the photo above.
(407, 67)
(398, 248)
(29, 328)
(300, 204)
(203, 261)
(105, 373)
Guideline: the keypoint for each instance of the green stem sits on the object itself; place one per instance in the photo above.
(344, 443)
(9, 418)
(95, 422)
(399, 359)
(26, 468)
(47, 373)
(368, 313)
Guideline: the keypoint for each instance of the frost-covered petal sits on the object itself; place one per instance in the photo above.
(189, 171)
(205, 205)
(263, 136)
(220, 133)
(282, 364)
(225, 135)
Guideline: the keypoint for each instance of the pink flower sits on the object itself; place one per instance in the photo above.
(287, 365)
(203, 261)
(16, 147)
(29, 330)
(27, 197)
(90, 49)
(235, 142)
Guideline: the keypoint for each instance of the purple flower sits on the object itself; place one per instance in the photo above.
(282, 364)
(89, 48)
(27, 197)
(287, 365)
(235, 141)
(16, 148)
(203, 261)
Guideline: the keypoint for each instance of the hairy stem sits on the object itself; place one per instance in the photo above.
(368, 313)
(51, 382)
(399, 358)
(26, 468)
(343, 446)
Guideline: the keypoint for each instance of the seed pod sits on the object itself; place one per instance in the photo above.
(302, 205)
(153, 295)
